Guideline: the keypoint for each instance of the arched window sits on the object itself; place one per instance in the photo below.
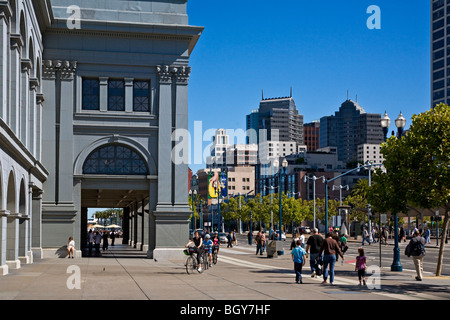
(115, 160)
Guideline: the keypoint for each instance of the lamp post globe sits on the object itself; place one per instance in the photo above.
(400, 123)
(385, 124)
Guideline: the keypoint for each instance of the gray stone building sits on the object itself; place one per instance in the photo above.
(91, 93)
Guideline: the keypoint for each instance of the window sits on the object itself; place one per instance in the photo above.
(91, 94)
(115, 160)
(116, 95)
(141, 96)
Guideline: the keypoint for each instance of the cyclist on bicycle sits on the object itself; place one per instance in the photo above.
(216, 242)
(208, 245)
(197, 244)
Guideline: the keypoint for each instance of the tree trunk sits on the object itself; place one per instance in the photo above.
(442, 245)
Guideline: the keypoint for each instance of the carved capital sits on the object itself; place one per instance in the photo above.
(168, 74)
(182, 76)
(165, 74)
(66, 69)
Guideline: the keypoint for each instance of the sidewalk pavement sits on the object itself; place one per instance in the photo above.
(240, 275)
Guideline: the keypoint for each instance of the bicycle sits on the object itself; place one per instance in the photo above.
(215, 253)
(205, 258)
(191, 261)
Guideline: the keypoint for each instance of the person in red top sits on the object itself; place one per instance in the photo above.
(361, 266)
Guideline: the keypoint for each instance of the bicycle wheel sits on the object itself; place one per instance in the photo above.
(205, 263)
(191, 265)
(214, 258)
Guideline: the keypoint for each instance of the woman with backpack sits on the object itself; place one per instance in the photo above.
(416, 249)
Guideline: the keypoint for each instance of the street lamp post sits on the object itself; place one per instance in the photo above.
(314, 178)
(340, 191)
(400, 123)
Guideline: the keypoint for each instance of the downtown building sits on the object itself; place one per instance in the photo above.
(440, 56)
(277, 119)
(350, 127)
(86, 121)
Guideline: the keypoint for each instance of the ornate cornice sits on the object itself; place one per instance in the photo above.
(66, 69)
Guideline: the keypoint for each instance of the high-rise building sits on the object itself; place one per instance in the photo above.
(311, 135)
(279, 118)
(440, 59)
(349, 127)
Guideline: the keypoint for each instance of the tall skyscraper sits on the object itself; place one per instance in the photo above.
(349, 127)
(440, 59)
(279, 117)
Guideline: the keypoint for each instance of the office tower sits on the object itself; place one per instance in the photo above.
(279, 117)
(349, 127)
(440, 59)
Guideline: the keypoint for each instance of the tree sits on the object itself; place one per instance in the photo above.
(417, 169)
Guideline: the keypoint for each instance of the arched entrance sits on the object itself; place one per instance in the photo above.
(117, 176)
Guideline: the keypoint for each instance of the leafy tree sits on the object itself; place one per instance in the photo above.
(417, 169)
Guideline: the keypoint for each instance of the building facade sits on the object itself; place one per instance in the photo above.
(440, 58)
(277, 119)
(89, 111)
(311, 135)
(349, 127)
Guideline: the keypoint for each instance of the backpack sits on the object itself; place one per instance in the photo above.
(419, 248)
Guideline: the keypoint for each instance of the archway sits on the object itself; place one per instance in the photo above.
(12, 230)
(115, 175)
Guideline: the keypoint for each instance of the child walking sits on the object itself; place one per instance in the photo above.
(298, 256)
(361, 266)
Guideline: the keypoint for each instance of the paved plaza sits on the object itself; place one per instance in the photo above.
(122, 273)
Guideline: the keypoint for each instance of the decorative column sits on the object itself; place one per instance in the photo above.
(26, 66)
(59, 214)
(36, 219)
(3, 233)
(34, 83)
(5, 15)
(13, 117)
(38, 132)
(171, 217)
(181, 124)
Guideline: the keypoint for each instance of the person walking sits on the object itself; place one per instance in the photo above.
(258, 242)
(91, 236)
(416, 249)
(263, 240)
(313, 246)
(374, 235)
(365, 236)
(113, 238)
(97, 241)
(427, 234)
(230, 240)
(249, 238)
(329, 249)
(360, 266)
(299, 258)
(105, 237)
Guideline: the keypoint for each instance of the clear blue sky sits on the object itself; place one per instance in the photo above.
(321, 48)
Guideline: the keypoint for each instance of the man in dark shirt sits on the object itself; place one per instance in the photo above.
(330, 249)
(313, 246)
